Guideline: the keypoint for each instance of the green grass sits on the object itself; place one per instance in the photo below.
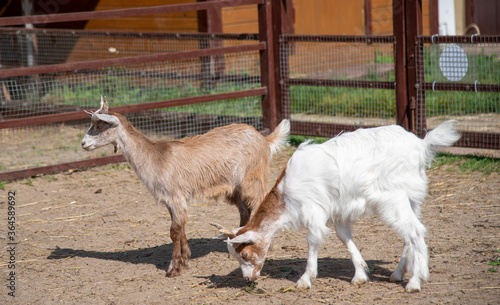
(295, 140)
(2, 185)
(343, 101)
(468, 163)
(122, 91)
(333, 101)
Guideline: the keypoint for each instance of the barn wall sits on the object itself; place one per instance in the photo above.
(329, 17)
(243, 19)
(382, 17)
(176, 22)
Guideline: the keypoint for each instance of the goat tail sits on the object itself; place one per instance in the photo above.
(278, 139)
(443, 135)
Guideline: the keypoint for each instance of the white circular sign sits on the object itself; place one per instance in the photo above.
(453, 63)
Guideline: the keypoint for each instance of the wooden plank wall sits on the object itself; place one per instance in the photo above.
(242, 19)
(329, 17)
(382, 17)
(186, 22)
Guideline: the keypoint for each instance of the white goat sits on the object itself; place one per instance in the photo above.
(231, 161)
(379, 170)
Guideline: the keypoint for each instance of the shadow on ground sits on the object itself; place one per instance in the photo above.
(292, 269)
(159, 256)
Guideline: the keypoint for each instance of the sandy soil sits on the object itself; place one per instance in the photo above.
(96, 236)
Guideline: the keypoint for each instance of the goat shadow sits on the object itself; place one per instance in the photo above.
(292, 269)
(159, 256)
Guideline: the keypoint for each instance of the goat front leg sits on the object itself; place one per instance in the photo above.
(306, 279)
(181, 252)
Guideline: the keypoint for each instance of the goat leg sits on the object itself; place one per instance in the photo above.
(174, 269)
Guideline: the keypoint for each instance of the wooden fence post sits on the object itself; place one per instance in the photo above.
(407, 25)
(270, 29)
(212, 67)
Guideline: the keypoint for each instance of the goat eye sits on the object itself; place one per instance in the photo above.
(244, 254)
(101, 125)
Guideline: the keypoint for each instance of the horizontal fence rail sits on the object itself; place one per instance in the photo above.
(152, 10)
(129, 60)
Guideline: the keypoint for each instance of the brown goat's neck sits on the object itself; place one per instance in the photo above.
(268, 216)
(137, 149)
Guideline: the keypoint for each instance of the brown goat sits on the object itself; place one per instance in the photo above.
(230, 161)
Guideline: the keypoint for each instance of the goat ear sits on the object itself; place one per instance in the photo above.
(245, 238)
(111, 119)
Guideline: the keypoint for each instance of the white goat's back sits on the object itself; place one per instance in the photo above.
(348, 176)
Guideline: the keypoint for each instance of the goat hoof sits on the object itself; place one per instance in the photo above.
(304, 284)
(359, 282)
(412, 289)
(413, 286)
(173, 273)
(396, 277)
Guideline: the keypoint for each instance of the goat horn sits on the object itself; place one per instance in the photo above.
(104, 106)
(88, 112)
(223, 230)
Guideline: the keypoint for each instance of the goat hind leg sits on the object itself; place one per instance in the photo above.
(415, 257)
(399, 273)
(243, 208)
(344, 234)
(174, 268)
(185, 250)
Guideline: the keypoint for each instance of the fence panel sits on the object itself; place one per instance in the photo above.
(43, 121)
(337, 83)
(459, 78)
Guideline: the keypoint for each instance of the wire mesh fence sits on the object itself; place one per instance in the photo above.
(338, 79)
(460, 80)
(128, 84)
(326, 81)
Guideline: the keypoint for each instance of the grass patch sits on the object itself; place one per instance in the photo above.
(28, 181)
(468, 163)
(2, 185)
(295, 140)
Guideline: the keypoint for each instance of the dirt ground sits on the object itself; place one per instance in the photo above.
(96, 236)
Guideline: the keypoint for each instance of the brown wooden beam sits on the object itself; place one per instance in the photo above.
(339, 83)
(339, 38)
(125, 34)
(461, 87)
(270, 27)
(325, 130)
(50, 169)
(132, 60)
(479, 140)
(368, 18)
(399, 29)
(151, 10)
